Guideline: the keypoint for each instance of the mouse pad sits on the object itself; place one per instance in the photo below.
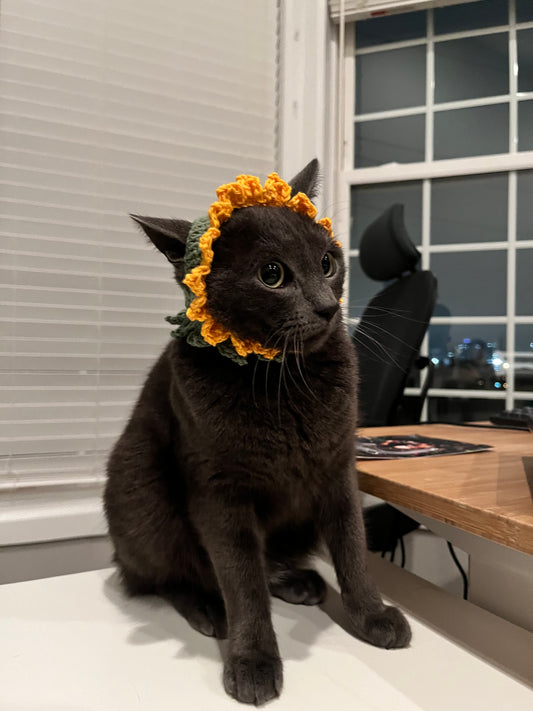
(401, 446)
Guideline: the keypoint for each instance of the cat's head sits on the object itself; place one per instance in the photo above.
(276, 276)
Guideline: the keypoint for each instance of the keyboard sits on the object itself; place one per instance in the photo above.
(520, 418)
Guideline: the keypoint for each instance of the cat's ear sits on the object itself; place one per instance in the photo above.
(169, 236)
(307, 181)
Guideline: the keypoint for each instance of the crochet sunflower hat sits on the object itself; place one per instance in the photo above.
(193, 262)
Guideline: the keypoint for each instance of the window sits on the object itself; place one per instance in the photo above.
(442, 122)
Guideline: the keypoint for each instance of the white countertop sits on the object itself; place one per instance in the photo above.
(74, 643)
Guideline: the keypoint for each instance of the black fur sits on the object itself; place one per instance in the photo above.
(228, 477)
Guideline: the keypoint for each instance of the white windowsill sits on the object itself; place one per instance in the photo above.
(72, 514)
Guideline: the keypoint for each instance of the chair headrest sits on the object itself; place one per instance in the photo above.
(385, 249)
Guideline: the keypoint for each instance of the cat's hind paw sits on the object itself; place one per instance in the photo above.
(299, 587)
(204, 612)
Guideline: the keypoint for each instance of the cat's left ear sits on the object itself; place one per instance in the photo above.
(307, 181)
(169, 236)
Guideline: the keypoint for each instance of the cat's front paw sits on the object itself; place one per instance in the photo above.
(386, 628)
(254, 678)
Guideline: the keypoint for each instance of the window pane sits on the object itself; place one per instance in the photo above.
(469, 209)
(397, 139)
(392, 79)
(482, 130)
(362, 289)
(462, 409)
(525, 59)
(524, 215)
(524, 10)
(369, 201)
(471, 68)
(471, 16)
(468, 356)
(523, 378)
(392, 28)
(525, 125)
(472, 283)
(524, 283)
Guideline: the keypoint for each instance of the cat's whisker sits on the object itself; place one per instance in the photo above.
(253, 381)
(300, 370)
(296, 358)
(280, 378)
(398, 313)
(287, 369)
(393, 335)
(389, 358)
(277, 334)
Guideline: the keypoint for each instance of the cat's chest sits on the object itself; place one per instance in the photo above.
(289, 430)
(287, 419)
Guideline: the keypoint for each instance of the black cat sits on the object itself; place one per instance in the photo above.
(227, 476)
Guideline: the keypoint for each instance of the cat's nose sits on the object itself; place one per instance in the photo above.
(327, 310)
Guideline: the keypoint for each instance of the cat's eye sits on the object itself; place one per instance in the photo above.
(272, 275)
(329, 265)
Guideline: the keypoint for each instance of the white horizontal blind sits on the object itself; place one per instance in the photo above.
(363, 9)
(108, 107)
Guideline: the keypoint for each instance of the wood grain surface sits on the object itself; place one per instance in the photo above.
(489, 493)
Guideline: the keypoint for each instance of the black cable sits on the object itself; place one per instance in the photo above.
(460, 568)
(393, 551)
(402, 549)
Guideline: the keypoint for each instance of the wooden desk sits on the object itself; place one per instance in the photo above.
(488, 494)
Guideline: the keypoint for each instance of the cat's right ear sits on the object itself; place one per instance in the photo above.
(307, 181)
(169, 236)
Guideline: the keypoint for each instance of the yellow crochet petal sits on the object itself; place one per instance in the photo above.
(301, 203)
(253, 188)
(213, 332)
(326, 224)
(218, 213)
(277, 191)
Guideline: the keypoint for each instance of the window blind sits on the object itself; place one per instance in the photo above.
(108, 107)
(363, 9)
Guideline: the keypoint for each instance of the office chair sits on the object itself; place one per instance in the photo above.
(387, 340)
(392, 327)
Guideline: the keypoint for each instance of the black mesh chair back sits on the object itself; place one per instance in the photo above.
(392, 327)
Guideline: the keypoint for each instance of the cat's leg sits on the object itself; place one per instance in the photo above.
(343, 531)
(203, 610)
(230, 533)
